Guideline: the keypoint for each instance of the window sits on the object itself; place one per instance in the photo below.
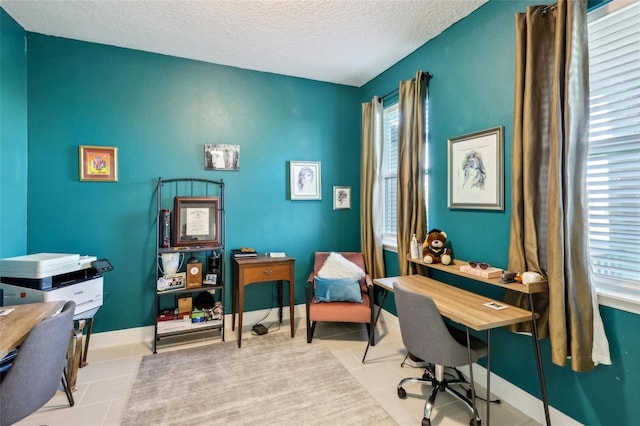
(390, 174)
(613, 170)
(391, 118)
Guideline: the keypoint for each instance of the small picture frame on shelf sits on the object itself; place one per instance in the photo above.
(210, 279)
(172, 281)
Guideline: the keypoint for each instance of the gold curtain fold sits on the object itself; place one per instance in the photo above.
(371, 202)
(411, 212)
(550, 137)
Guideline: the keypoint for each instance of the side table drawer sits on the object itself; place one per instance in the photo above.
(273, 272)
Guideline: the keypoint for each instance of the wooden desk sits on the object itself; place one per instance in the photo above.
(529, 290)
(463, 307)
(459, 305)
(15, 326)
(248, 271)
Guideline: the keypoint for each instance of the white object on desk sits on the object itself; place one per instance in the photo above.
(277, 254)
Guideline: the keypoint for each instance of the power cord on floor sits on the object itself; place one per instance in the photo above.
(258, 329)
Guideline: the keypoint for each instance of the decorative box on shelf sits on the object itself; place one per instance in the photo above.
(489, 272)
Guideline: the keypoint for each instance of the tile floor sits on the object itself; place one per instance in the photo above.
(103, 385)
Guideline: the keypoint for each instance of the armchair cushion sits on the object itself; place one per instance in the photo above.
(337, 266)
(337, 290)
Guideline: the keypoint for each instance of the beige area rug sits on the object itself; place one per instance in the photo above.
(271, 380)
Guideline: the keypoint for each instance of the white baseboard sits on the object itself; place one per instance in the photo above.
(501, 388)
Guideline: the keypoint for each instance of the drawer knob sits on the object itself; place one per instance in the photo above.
(267, 272)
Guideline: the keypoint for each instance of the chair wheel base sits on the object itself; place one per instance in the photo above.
(402, 394)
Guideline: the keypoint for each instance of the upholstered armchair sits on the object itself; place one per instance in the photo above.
(326, 285)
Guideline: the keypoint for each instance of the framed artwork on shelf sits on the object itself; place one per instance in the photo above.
(98, 163)
(305, 178)
(221, 157)
(196, 221)
(476, 170)
(341, 197)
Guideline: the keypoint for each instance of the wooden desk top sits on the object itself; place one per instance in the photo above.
(454, 268)
(459, 305)
(262, 259)
(15, 326)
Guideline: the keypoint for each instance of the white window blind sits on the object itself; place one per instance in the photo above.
(390, 171)
(613, 171)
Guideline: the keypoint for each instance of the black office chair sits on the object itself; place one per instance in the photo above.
(426, 336)
(39, 367)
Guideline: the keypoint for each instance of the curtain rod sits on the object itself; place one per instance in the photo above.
(395, 91)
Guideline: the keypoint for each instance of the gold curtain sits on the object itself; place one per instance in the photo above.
(411, 145)
(371, 202)
(550, 137)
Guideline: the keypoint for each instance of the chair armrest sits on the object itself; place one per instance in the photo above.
(310, 279)
(368, 281)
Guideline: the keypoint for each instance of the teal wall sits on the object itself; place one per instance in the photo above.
(13, 138)
(472, 89)
(160, 111)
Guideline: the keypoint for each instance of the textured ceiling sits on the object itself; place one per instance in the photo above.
(340, 41)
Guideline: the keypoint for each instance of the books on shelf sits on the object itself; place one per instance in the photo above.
(243, 252)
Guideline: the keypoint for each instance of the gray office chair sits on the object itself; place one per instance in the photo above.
(426, 336)
(38, 368)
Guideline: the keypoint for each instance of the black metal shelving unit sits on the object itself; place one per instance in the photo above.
(166, 191)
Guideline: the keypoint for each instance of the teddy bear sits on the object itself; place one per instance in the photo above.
(433, 249)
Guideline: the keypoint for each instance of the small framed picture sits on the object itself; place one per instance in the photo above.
(221, 157)
(476, 170)
(341, 197)
(98, 163)
(305, 180)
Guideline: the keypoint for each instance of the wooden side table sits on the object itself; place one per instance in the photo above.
(259, 269)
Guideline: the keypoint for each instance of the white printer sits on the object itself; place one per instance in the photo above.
(48, 277)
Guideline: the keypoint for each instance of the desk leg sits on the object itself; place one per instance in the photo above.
(473, 389)
(77, 355)
(375, 322)
(83, 362)
(488, 376)
(234, 303)
(280, 301)
(240, 302)
(292, 303)
(536, 346)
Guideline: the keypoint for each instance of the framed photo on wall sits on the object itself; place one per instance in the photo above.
(341, 197)
(476, 170)
(221, 157)
(98, 163)
(305, 178)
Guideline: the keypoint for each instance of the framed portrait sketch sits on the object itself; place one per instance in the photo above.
(476, 170)
(221, 157)
(304, 179)
(196, 221)
(98, 163)
(341, 197)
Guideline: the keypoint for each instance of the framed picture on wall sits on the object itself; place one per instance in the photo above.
(476, 170)
(341, 197)
(221, 157)
(98, 163)
(305, 178)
